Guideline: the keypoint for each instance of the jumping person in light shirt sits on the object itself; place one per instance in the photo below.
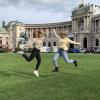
(63, 42)
(37, 43)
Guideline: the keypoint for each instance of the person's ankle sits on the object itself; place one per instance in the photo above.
(56, 69)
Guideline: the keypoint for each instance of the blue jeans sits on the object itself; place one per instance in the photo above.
(62, 53)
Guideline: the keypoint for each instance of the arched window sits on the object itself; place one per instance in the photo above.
(71, 45)
(81, 24)
(49, 44)
(54, 43)
(97, 42)
(0, 42)
(44, 43)
(85, 42)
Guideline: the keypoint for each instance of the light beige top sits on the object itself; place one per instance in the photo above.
(38, 42)
(64, 42)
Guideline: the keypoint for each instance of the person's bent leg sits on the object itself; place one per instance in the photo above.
(32, 55)
(38, 57)
(65, 56)
(55, 63)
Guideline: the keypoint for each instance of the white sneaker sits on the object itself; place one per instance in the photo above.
(36, 73)
(20, 52)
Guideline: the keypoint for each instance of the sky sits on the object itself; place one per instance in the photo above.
(38, 11)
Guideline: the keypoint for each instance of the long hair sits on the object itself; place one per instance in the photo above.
(40, 33)
(34, 34)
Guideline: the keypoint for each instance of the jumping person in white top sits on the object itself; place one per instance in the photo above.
(37, 44)
(63, 42)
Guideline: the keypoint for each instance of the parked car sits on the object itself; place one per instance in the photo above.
(1, 49)
(97, 50)
(87, 50)
(82, 50)
(74, 50)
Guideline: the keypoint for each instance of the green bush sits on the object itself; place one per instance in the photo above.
(4, 50)
(17, 49)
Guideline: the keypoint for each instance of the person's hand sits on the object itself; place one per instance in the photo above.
(78, 43)
(54, 29)
(46, 30)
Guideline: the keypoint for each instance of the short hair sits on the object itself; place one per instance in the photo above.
(61, 33)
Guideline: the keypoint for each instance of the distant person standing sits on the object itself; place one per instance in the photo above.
(63, 42)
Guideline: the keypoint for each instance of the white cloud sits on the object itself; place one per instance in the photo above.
(37, 11)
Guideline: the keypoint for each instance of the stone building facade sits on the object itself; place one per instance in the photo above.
(15, 28)
(84, 28)
(4, 38)
(86, 25)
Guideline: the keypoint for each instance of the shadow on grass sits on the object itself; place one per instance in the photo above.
(16, 73)
(5, 74)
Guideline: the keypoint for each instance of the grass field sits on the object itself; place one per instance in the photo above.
(70, 83)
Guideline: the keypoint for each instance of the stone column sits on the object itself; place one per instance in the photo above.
(73, 25)
(99, 24)
(63, 29)
(75, 29)
(95, 26)
(59, 29)
(84, 22)
(32, 32)
(87, 22)
(50, 31)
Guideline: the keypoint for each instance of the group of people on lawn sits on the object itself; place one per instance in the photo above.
(63, 42)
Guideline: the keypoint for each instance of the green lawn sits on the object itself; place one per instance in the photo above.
(18, 83)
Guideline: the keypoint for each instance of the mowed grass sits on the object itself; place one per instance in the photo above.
(18, 83)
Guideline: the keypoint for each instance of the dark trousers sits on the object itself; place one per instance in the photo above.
(35, 53)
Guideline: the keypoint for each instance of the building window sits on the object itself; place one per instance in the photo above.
(44, 43)
(7, 40)
(49, 44)
(54, 43)
(0, 42)
(97, 25)
(71, 45)
(85, 42)
(81, 24)
(49, 32)
(97, 42)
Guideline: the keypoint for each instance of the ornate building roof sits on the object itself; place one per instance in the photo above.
(3, 30)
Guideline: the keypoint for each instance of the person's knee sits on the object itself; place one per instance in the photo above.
(67, 61)
(29, 59)
(54, 60)
(39, 61)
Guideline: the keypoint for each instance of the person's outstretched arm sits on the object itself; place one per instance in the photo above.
(72, 42)
(46, 33)
(55, 33)
(29, 44)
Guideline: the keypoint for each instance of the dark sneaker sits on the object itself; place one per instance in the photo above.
(55, 70)
(75, 63)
